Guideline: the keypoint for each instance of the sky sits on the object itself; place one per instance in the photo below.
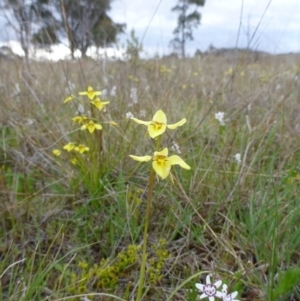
(275, 25)
(278, 31)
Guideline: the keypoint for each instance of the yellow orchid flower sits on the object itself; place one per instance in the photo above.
(91, 126)
(79, 119)
(161, 163)
(158, 124)
(90, 93)
(56, 152)
(69, 98)
(99, 104)
(81, 148)
(70, 146)
(74, 161)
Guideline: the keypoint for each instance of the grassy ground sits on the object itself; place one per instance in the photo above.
(69, 229)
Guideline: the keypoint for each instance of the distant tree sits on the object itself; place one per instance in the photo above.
(19, 16)
(45, 37)
(187, 21)
(134, 47)
(105, 31)
(47, 33)
(28, 19)
(86, 23)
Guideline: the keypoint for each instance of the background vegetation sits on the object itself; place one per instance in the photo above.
(63, 234)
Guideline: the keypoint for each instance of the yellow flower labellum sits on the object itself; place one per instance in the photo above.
(81, 148)
(158, 125)
(90, 93)
(70, 146)
(79, 119)
(56, 152)
(162, 163)
(69, 98)
(99, 104)
(91, 126)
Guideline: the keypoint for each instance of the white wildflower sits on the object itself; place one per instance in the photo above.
(104, 93)
(113, 91)
(175, 147)
(133, 95)
(129, 115)
(228, 297)
(220, 117)
(70, 87)
(238, 158)
(209, 290)
(30, 121)
(80, 109)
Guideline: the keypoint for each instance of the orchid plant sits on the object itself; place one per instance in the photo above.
(90, 123)
(161, 165)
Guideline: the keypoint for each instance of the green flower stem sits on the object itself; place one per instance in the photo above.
(99, 141)
(158, 143)
(144, 254)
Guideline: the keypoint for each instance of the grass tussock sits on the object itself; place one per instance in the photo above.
(72, 225)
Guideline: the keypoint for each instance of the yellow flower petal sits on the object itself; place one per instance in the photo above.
(161, 164)
(158, 125)
(90, 93)
(177, 160)
(160, 117)
(113, 123)
(91, 126)
(69, 98)
(162, 168)
(56, 152)
(74, 161)
(163, 152)
(141, 121)
(70, 146)
(79, 119)
(99, 104)
(141, 158)
(156, 129)
(81, 148)
(177, 124)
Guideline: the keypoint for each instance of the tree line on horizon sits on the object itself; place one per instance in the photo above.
(84, 23)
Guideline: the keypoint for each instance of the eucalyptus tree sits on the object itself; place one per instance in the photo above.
(86, 23)
(188, 19)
